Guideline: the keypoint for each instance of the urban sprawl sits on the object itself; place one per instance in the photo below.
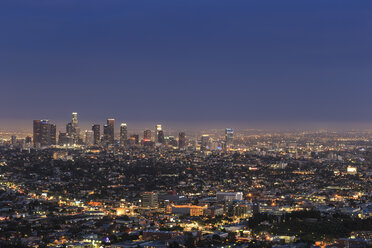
(218, 188)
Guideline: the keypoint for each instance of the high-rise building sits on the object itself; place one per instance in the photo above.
(204, 143)
(229, 137)
(78, 139)
(96, 128)
(111, 125)
(105, 138)
(147, 135)
(89, 137)
(44, 133)
(181, 140)
(37, 132)
(13, 140)
(149, 199)
(72, 128)
(123, 134)
(158, 128)
(161, 139)
(69, 129)
(109, 131)
(74, 119)
(53, 134)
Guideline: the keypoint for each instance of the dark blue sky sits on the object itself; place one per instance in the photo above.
(196, 60)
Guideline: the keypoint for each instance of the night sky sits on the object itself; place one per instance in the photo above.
(186, 61)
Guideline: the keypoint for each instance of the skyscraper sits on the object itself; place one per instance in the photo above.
(109, 132)
(181, 140)
(123, 134)
(72, 128)
(77, 135)
(158, 128)
(161, 139)
(89, 137)
(44, 133)
(96, 128)
(204, 143)
(13, 140)
(37, 132)
(229, 137)
(147, 135)
(69, 129)
(53, 134)
(74, 119)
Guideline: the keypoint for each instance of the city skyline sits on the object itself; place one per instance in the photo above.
(193, 126)
(201, 127)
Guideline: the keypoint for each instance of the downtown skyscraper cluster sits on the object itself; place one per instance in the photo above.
(45, 135)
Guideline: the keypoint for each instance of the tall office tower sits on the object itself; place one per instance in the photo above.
(123, 134)
(72, 128)
(204, 144)
(37, 132)
(105, 138)
(111, 126)
(44, 133)
(158, 128)
(147, 135)
(109, 131)
(161, 139)
(229, 137)
(53, 134)
(96, 134)
(89, 137)
(181, 140)
(77, 134)
(69, 129)
(149, 199)
(74, 119)
(13, 140)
